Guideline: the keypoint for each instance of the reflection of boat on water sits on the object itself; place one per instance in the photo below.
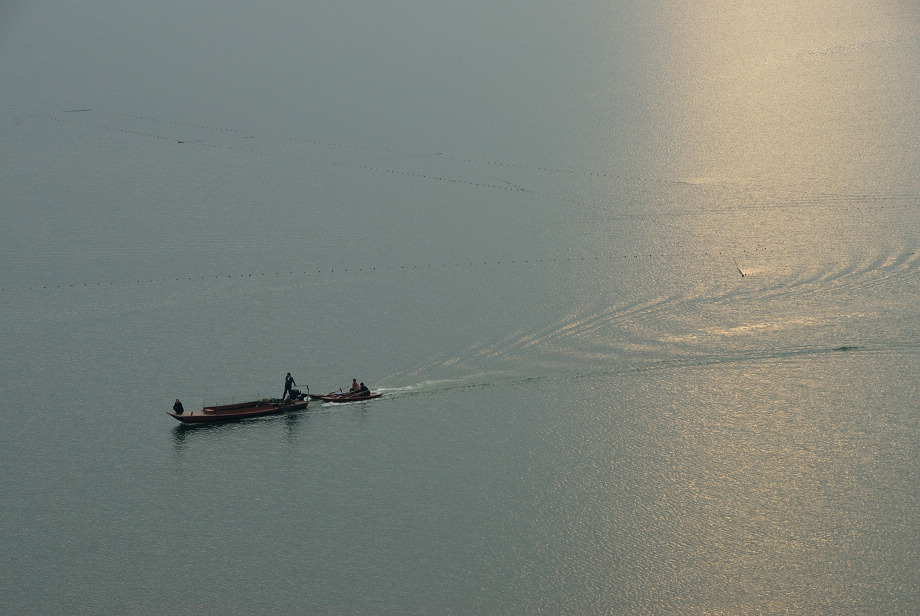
(242, 410)
(346, 397)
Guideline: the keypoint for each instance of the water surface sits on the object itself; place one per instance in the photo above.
(639, 285)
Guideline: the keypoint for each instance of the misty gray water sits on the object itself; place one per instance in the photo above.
(639, 282)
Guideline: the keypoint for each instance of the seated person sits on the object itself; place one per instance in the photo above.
(363, 390)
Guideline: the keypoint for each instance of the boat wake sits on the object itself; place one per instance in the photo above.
(476, 380)
(781, 313)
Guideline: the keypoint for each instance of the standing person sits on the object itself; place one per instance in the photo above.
(289, 384)
(178, 409)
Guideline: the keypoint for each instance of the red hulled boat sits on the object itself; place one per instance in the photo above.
(242, 410)
(346, 397)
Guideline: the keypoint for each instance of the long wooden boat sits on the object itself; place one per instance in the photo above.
(242, 410)
(345, 397)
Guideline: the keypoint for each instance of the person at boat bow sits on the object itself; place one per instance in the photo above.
(178, 409)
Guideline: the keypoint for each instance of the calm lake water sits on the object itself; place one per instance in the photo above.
(641, 286)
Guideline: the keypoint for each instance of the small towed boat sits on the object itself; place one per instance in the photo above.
(242, 410)
(346, 397)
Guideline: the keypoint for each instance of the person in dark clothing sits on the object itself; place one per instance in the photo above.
(363, 390)
(289, 384)
(178, 409)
